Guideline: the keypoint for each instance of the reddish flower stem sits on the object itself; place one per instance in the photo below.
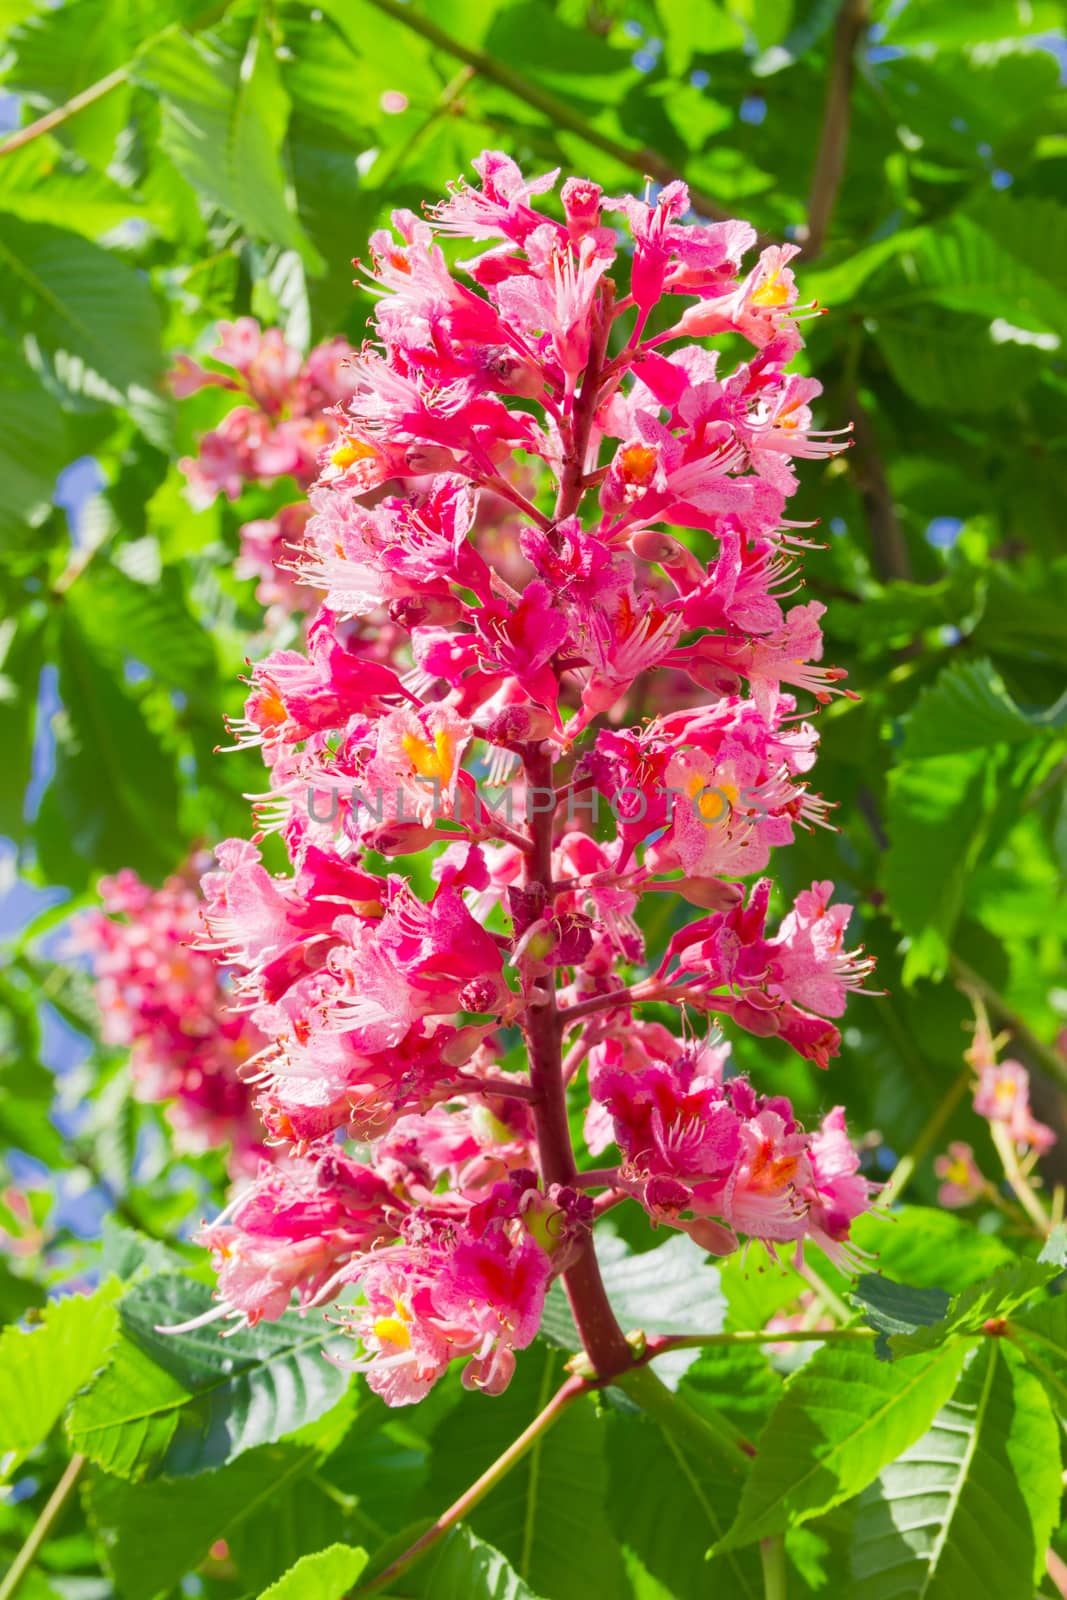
(497, 1088)
(602, 1338)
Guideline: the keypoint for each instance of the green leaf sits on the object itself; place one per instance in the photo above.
(969, 708)
(464, 1567)
(32, 449)
(992, 1300)
(1001, 258)
(668, 1504)
(1041, 1335)
(967, 755)
(225, 113)
(328, 1575)
(21, 658)
(897, 1308)
(180, 1404)
(58, 55)
(548, 1516)
(940, 813)
(970, 1508)
(955, 363)
(83, 305)
(842, 1417)
(43, 1368)
(143, 613)
(152, 1534)
(112, 799)
(943, 23)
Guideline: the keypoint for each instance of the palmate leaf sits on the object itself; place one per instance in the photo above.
(967, 760)
(21, 657)
(954, 364)
(310, 1516)
(1002, 258)
(842, 1417)
(970, 1507)
(43, 1368)
(894, 1308)
(225, 114)
(148, 618)
(326, 1575)
(180, 1404)
(84, 306)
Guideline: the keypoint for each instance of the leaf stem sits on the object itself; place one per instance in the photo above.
(662, 1344)
(905, 1168)
(1017, 1180)
(479, 1489)
(772, 1559)
(42, 1527)
(700, 1428)
(639, 159)
(1046, 1057)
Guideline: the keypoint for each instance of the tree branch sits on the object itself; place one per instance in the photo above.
(639, 159)
(852, 19)
(888, 545)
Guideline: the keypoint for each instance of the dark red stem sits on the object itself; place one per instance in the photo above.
(603, 1339)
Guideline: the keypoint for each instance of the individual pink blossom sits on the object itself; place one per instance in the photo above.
(961, 1180)
(1002, 1093)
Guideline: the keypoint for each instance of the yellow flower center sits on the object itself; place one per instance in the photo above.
(351, 451)
(638, 463)
(434, 760)
(771, 292)
(394, 1330)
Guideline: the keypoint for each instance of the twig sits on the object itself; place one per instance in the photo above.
(1047, 1058)
(889, 547)
(42, 1528)
(1017, 1182)
(852, 19)
(97, 91)
(60, 114)
(639, 159)
(904, 1170)
(478, 1490)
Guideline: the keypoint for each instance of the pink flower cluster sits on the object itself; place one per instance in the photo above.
(168, 1002)
(697, 1147)
(1002, 1096)
(479, 687)
(278, 430)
